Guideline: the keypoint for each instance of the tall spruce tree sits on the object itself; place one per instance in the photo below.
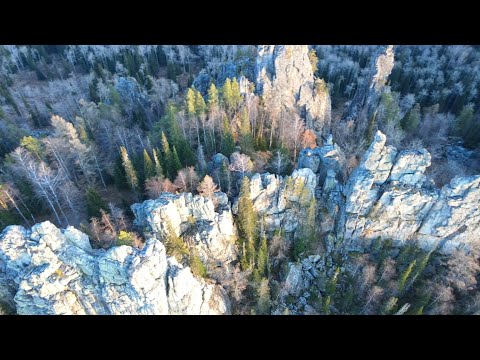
(212, 95)
(228, 144)
(167, 157)
(176, 163)
(148, 167)
(131, 174)
(247, 225)
(158, 165)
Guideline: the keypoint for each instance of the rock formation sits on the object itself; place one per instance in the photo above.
(322, 159)
(387, 196)
(46, 270)
(284, 77)
(279, 200)
(367, 92)
(212, 232)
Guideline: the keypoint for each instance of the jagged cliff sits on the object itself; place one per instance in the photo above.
(284, 77)
(46, 270)
(387, 196)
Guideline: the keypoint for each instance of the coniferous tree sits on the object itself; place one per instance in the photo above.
(94, 203)
(247, 225)
(228, 144)
(262, 257)
(148, 166)
(200, 106)
(158, 165)
(176, 164)
(167, 156)
(227, 95)
(411, 121)
(212, 97)
(236, 95)
(130, 172)
(246, 140)
(190, 102)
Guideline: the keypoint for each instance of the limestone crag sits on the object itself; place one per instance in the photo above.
(212, 232)
(284, 77)
(46, 270)
(279, 200)
(388, 196)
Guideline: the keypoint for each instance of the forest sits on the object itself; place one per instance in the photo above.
(87, 131)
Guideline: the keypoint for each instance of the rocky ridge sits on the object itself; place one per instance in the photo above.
(46, 270)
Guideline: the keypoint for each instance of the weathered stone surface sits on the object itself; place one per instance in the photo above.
(213, 232)
(323, 159)
(49, 271)
(284, 77)
(280, 201)
(294, 280)
(387, 197)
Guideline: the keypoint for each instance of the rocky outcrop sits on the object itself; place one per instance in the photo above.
(370, 87)
(284, 77)
(322, 159)
(279, 200)
(46, 270)
(388, 196)
(212, 232)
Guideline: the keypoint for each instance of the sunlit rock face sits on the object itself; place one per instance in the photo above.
(388, 196)
(285, 79)
(46, 270)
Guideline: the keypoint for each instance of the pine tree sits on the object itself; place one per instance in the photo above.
(228, 144)
(148, 167)
(246, 140)
(94, 203)
(236, 95)
(411, 121)
(167, 156)
(262, 257)
(212, 97)
(247, 224)
(176, 164)
(227, 95)
(200, 106)
(405, 276)
(158, 165)
(190, 102)
(119, 175)
(130, 172)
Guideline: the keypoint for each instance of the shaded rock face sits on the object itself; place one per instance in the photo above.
(322, 160)
(387, 197)
(279, 200)
(49, 271)
(212, 232)
(284, 77)
(368, 90)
